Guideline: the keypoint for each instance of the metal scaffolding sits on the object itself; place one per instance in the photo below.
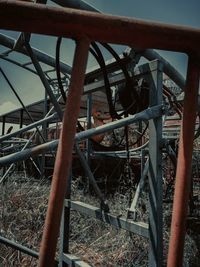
(85, 28)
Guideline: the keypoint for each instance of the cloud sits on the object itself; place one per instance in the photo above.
(7, 106)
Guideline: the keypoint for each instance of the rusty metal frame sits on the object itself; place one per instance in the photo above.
(72, 23)
(64, 156)
(85, 27)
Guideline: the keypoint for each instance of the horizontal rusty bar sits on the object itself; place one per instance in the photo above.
(57, 21)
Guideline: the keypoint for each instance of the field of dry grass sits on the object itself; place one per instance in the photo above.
(23, 203)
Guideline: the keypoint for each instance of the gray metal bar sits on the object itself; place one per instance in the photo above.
(21, 118)
(155, 171)
(65, 227)
(29, 127)
(139, 228)
(74, 261)
(89, 125)
(41, 56)
(89, 173)
(44, 132)
(33, 125)
(171, 72)
(116, 79)
(19, 247)
(172, 155)
(132, 213)
(134, 152)
(3, 125)
(20, 101)
(147, 114)
(44, 80)
(24, 66)
(100, 85)
(61, 245)
(24, 147)
(6, 173)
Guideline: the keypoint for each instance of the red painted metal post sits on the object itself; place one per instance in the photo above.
(183, 174)
(63, 157)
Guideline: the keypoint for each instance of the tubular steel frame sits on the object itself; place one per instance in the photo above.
(86, 27)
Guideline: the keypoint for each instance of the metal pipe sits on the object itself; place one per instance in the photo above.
(132, 212)
(3, 125)
(41, 56)
(89, 125)
(150, 54)
(24, 147)
(76, 24)
(150, 113)
(20, 101)
(44, 80)
(23, 249)
(168, 69)
(64, 156)
(89, 173)
(32, 125)
(184, 166)
(19, 247)
(29, 127)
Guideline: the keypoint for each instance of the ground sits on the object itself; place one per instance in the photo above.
(23, 207)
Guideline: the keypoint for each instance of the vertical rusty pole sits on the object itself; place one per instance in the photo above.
(183, 174)
(63, 157)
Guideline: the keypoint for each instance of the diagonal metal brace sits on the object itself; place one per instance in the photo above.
(132, 213)
(92, 180)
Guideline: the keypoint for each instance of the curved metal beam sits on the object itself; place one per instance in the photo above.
(41, 56)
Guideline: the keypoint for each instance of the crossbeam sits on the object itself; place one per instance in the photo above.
(71, 23)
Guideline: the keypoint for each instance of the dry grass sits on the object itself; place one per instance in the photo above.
(23, 203)
(23, 208)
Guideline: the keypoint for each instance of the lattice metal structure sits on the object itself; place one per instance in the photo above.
(86, 27)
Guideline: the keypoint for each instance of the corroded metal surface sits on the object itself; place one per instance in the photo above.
(75, 24)
(63, 157)
(183, 174)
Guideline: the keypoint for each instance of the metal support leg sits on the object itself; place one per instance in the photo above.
(3, 132)
(44, 132)
(21, 119)
(3, 125)
(91, 178)
(88, 141)
(64, 157)
(65, 223)
(89, 124)
(132, 212)
(184, 166)
(155, 171)
(44, 80)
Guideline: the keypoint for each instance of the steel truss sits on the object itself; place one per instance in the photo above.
(84, 27)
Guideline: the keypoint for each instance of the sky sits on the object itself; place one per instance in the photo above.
(29, 87)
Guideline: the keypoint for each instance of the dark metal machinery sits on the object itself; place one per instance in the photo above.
(86, 27)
